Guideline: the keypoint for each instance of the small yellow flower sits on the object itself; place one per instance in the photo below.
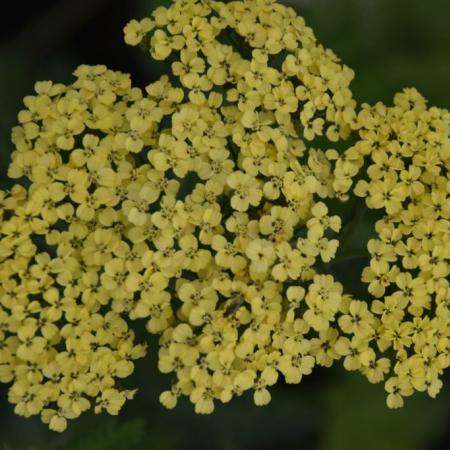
(135, 31)
(246, 191)
(261, 254)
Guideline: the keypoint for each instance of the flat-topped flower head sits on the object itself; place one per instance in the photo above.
(405, 148)
(204, 205)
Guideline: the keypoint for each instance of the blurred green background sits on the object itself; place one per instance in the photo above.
(390, 44)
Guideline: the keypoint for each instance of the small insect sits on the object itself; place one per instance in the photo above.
(234, 305)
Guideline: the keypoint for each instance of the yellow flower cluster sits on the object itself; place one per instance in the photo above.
(190, 207)
(243, 244)
(200, 206)
(405, 152)
(277, 81)
(185, 213)
(63, 336)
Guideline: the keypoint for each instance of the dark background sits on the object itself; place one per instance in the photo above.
(390, 44)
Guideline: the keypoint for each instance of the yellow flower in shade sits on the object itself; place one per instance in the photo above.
(135, 31)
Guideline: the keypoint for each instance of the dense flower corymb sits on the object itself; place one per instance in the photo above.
(406, 148)
(201, 205)
(65, 340)
(257, 87)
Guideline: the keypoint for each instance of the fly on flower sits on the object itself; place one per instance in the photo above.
(233, 305)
